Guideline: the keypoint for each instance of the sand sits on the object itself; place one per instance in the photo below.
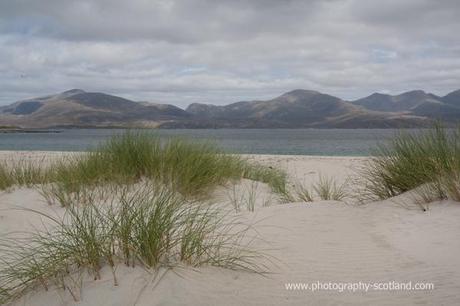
(323, 241)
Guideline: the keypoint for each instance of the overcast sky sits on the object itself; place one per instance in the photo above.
(221, 51)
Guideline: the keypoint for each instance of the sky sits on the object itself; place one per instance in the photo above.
(222, 51)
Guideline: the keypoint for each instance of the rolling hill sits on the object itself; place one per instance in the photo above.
(417, 103)
(300, 109)
(77, 108)
(295, 109)
(399, 103)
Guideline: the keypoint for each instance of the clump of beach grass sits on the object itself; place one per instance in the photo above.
(192, 169)
(450, 182)
(426, 193)
(136, 200)
(411, 160)
(276, 179)
(21, 173)
(28, 174)
(303, 192)
(327, 188)
(246, 196)
(58, 193)
(252, 196)
(5, 178)
(150, 225)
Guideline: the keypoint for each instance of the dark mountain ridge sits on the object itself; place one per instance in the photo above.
(399, 103)
(79, 108)
(295, 109)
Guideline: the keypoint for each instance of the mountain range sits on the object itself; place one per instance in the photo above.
(295, 109)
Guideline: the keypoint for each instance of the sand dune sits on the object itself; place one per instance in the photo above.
(323, 241)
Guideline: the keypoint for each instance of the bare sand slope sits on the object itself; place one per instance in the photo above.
(318, 242)
(307, 169)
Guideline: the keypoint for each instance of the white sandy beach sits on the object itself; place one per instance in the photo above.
(322, 241)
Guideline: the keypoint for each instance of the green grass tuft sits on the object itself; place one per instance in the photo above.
(147, 225)
(303, 192)
(6, 181)
(414, 159)
(133, 200)
(21, 173)
(328, 189)
(193, 169)
(275, 178)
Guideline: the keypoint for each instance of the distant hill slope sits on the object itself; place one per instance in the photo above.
(452, 98)
(417, 103)
(295, 109)
(77, 108)
(299, 108)
(400, 103)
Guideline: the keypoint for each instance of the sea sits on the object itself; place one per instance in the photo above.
(327, 142)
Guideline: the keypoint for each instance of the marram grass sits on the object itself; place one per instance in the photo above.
(328, 189)
(6, 180)
(21, 173)
(133, 200)
(427, 158)
(192, 169)
(148, 225)
(303, 192)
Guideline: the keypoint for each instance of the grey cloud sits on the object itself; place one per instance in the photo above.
(222, 51)
(172, 21)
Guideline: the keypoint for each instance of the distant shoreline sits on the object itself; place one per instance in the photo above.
(19, 130)
(58, 129)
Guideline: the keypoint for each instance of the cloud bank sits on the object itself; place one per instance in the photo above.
(180, 52)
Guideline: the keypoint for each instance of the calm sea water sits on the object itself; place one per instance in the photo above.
(256, 141)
